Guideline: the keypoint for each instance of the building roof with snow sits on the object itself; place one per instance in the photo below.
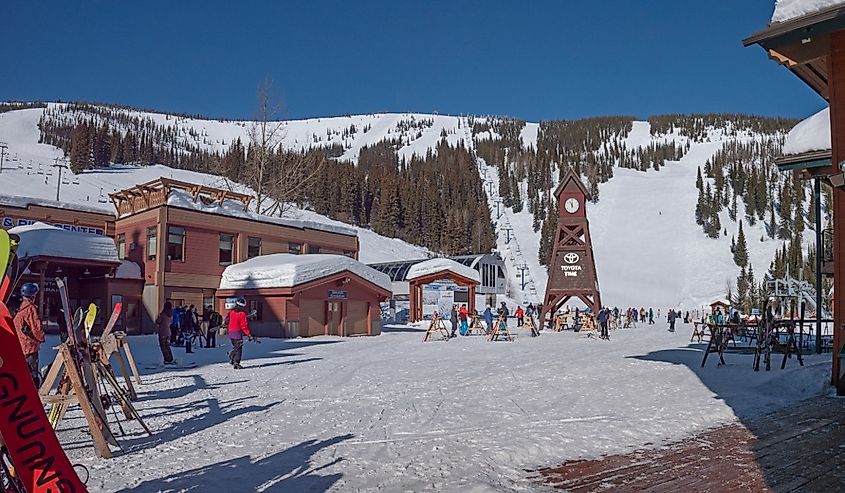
(807, 145)
(787, 10)
(285, 270)
(43, 240)
(203, 198)
(812, 134)
(438, 265)
(798, 37)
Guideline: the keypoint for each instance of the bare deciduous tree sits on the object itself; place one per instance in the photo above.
(279, 178)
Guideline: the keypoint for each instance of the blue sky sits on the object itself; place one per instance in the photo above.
(528, 59)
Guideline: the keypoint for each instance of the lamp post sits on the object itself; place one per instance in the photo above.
(3, 147)
(59, 180)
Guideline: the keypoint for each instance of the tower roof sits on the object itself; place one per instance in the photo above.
(571, 179)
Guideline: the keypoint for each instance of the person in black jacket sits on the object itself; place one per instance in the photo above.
(602, 317)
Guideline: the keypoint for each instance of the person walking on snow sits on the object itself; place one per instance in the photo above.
(238, 328)
(163, 322)
(651, 316)
(520, 316)
(28, 326)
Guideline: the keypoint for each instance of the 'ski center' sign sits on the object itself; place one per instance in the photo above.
(11, 222)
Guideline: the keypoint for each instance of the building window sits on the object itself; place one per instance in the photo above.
(175, 243)
(227, 243)
(152, 242)
(253, 248)
(121, 246)
(295, 248)
(256, 310)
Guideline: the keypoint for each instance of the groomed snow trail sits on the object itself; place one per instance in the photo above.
(391, 413)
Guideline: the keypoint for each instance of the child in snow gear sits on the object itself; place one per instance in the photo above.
(28, 327)
(164, 323)
(238, 328)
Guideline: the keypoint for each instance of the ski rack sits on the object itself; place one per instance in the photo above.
(500, 331)
(436, 327)
(81, 383)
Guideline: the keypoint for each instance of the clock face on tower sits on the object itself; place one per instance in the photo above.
(571, 205)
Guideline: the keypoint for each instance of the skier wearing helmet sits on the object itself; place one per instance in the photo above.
(28, 327)
(238, 328)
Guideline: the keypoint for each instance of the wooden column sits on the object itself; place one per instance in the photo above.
(836, 86)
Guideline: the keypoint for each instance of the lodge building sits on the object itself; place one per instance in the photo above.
(178, 236)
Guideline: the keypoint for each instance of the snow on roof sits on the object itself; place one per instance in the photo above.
(812, 134)
(285, 270)
(439, 265)
(43, 240)
(128, 270)
(786, 10)
(24, 202)
(183, 200)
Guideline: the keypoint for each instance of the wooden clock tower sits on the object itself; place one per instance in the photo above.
(572, 269)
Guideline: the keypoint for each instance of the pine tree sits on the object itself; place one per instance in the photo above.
(547, 234)
(741, 250)
(699, 183)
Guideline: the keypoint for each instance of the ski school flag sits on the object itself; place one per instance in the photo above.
(39, 460)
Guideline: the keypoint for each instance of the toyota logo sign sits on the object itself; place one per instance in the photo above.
(571, 258)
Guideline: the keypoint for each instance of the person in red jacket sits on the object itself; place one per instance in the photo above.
(28, 327)
(520, 316)
(238, 328)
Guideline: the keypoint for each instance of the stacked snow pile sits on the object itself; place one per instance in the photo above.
(285, 270)
(184, 200)
(436, 265)
(812, 134)
(43, 240)
(786, 10)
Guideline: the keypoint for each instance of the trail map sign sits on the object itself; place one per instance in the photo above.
(572, 270)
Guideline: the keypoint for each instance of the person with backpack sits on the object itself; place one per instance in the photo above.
(238, 328)
(215, 320)
(28, 326)
(164, 324)
(488, 318)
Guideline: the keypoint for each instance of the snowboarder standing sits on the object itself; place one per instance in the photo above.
(164, 322)
(28, 327)
(238, 328)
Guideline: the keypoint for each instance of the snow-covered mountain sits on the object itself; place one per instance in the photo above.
(649, 250)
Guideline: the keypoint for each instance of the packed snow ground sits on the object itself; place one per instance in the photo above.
(391, 413)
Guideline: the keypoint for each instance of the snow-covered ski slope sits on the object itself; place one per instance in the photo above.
(648, 249)
(28, 174)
